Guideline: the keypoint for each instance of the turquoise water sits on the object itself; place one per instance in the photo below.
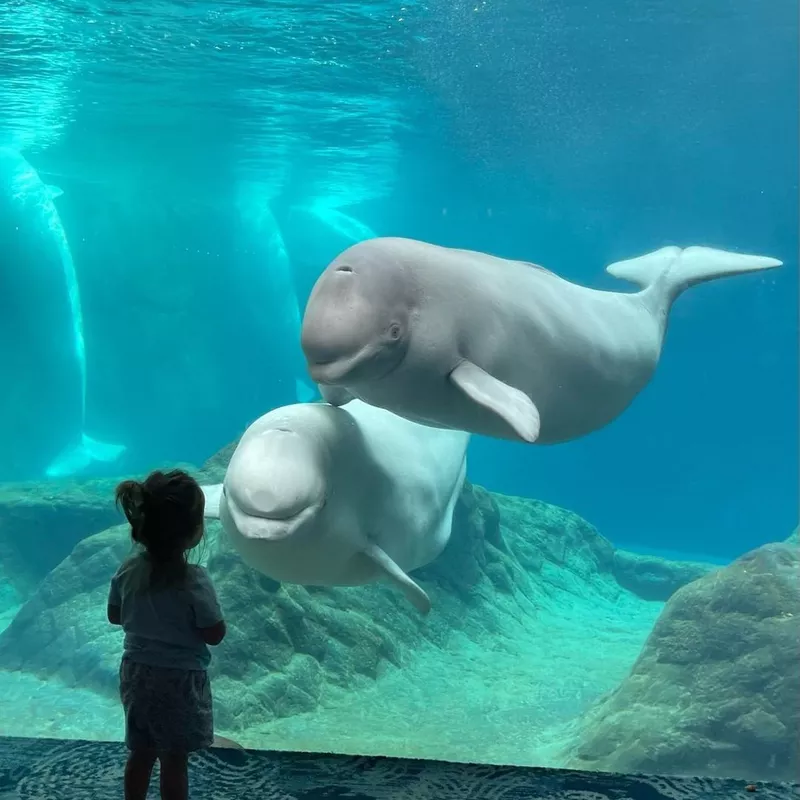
(201, 164)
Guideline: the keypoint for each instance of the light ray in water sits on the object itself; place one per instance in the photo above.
(30, 195)
(282, 302)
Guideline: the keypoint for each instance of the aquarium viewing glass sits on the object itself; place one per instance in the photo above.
(602, 530)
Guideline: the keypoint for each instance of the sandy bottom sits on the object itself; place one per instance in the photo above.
(503, 701)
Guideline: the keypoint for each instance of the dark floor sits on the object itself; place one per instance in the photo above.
(42, 769)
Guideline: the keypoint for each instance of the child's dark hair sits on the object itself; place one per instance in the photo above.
(165, 512)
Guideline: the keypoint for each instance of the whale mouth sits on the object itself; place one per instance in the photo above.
(329, 372)
(269, 529)
(274, 484)
(336, 370)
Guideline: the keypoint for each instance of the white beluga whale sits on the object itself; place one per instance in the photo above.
(324, 496)
(272, 287)
(40, 286)
(461, 339)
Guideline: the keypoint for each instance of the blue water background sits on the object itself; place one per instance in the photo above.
(570, 134)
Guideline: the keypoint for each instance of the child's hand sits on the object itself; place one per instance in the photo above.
(215, 634)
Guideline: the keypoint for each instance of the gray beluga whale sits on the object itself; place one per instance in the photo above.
(461, 339)
(41, 289)
(325, 496)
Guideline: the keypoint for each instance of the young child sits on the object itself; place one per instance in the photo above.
(169, 612)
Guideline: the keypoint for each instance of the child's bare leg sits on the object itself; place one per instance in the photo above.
(174, 776)
(137, 773)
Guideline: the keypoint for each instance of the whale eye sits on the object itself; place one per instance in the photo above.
(394, 331)
(344, 268)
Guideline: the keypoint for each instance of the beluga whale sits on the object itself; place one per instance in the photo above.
(324, 496)
(462, 339)
(42, 312)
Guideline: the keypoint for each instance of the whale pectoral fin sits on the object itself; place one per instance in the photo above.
(511, 405)
(335, 395)
(213, 495)
(414, 593)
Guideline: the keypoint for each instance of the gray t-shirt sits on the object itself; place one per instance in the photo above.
(161, 624)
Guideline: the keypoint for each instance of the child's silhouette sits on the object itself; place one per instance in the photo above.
(169, 612)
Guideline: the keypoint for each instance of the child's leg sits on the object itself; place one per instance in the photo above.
(174, 776)
(137, 773)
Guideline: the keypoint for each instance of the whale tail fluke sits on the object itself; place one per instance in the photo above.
(76, 457)
(666, 273)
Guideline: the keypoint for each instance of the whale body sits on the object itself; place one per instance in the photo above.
(323, 496)
(467, 340)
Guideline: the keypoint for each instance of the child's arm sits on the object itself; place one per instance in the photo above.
(215, 634)
(114, 606)
(207, 614)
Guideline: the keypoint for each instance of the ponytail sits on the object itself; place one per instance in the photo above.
(165, 513)
(129, 497)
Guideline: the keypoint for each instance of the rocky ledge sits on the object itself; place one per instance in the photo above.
(291, 646)
(40, 524)
(716, 689)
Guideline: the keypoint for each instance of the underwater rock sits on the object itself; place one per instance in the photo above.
(715, 690)
(653, 577)
(63, 630)
(292, 648)
(213, 470)
(40, 523)
(289, 642)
